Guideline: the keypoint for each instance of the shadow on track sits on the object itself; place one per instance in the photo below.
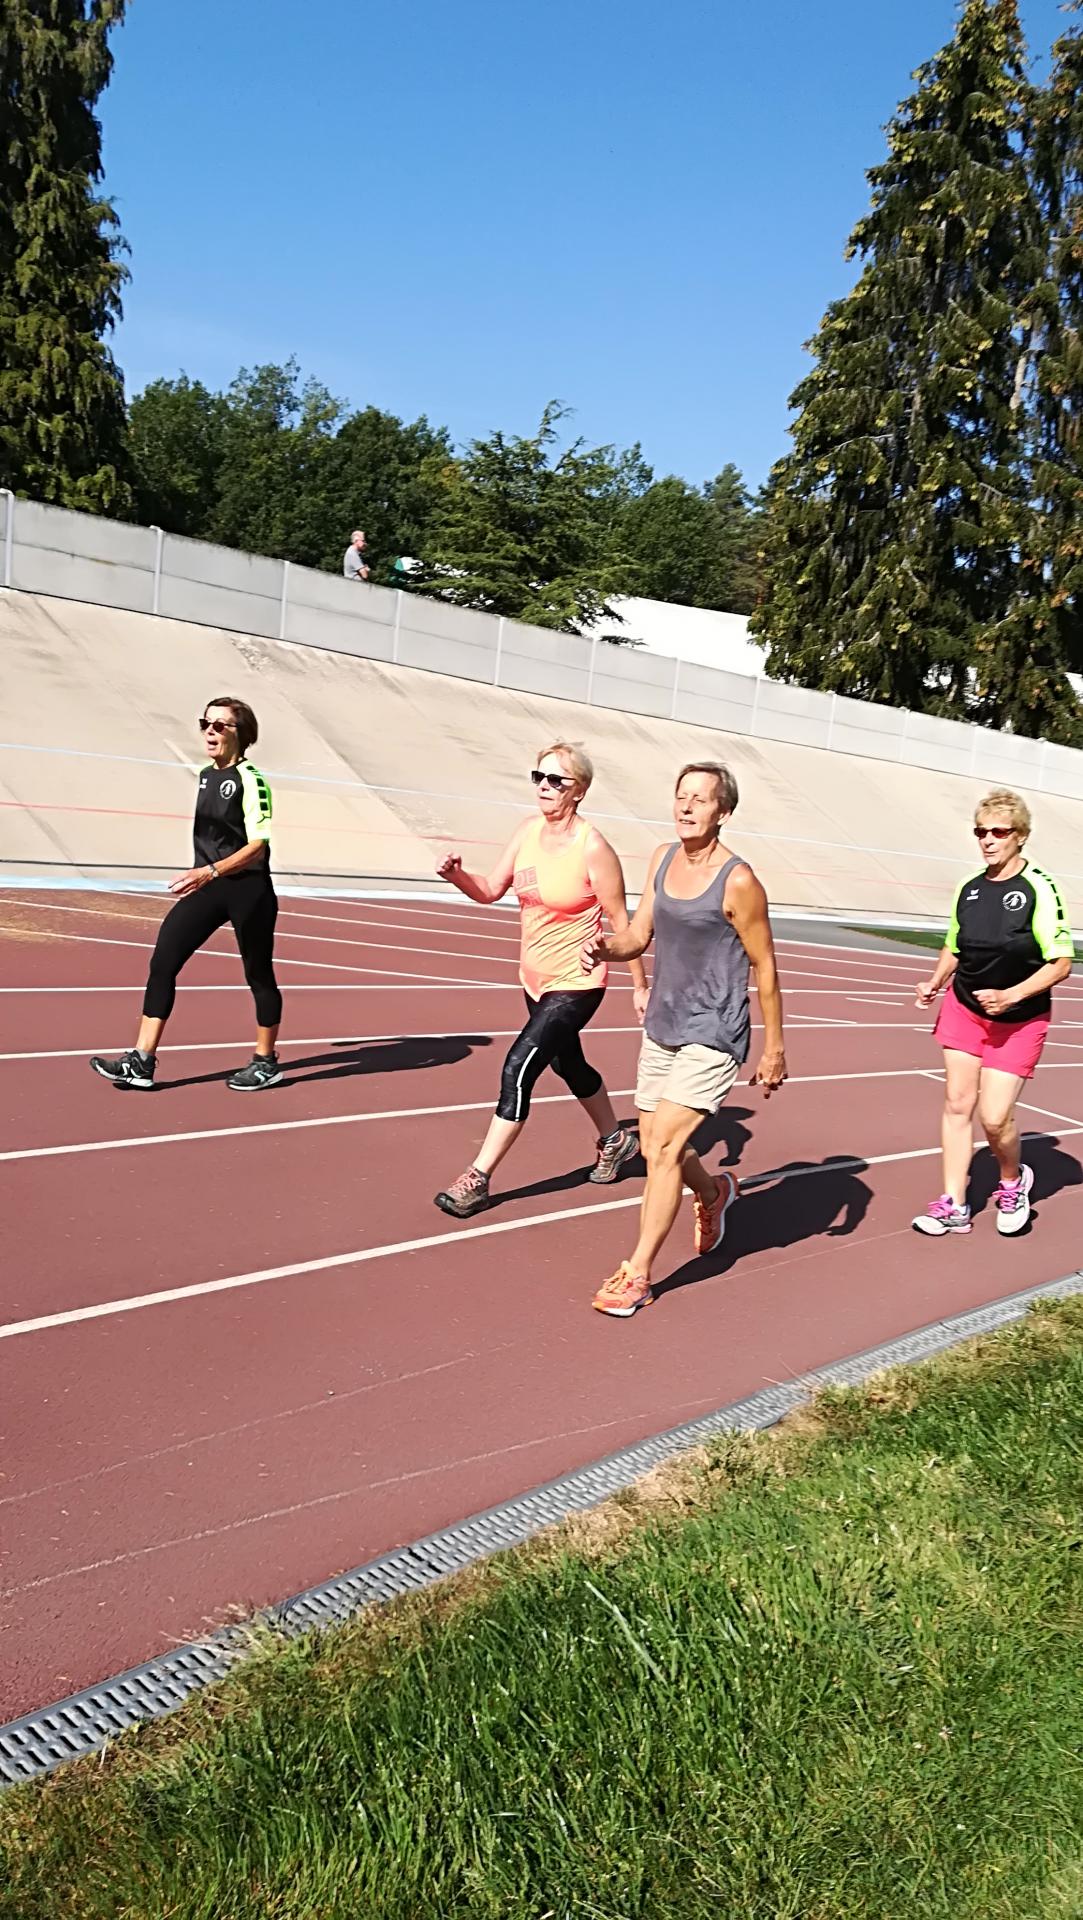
(408, 1055)
(804, 1200)
(725, 1128)
(1054, 1169)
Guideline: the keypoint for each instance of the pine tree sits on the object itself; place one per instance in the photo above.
(893, 529)
(62, 421)
(530, 532)
(1050, 389)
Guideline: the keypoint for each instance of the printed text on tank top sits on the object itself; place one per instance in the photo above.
(559, 911)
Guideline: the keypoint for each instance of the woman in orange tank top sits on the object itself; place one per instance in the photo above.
(565, 875)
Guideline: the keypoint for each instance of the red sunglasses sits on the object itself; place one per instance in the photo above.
(993, 833)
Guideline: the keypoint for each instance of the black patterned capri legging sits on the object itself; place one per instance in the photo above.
(550, 1039)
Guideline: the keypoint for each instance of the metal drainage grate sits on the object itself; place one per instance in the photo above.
(87, 1721)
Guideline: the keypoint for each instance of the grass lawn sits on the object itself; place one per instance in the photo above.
(909, 936)
(919, 937)
(831, 1673)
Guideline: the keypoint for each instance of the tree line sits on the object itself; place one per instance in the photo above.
(923, 540)
(921, 544)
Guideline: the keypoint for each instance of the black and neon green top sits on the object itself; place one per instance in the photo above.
(1002, 932)
(233, 806)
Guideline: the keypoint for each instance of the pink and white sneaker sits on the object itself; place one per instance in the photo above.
(1012, 1202)
(943, 1217)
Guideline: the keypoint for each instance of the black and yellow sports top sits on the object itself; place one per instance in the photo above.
(233, 806)
(1002, 932)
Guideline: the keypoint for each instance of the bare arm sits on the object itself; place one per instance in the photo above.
(638, 932)
(926, 990)
(197, 877)
(607, 878)
(485, 889)
(745, 907)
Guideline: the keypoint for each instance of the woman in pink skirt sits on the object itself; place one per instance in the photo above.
(1008, 943)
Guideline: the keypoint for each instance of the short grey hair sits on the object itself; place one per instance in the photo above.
(727, 785)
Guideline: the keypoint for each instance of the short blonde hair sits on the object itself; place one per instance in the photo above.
(574, 758)
(1003, 800)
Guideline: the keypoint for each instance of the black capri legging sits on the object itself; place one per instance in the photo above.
(250, 903)
(550, 1039)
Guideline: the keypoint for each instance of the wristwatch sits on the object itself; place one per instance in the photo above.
(212, 870)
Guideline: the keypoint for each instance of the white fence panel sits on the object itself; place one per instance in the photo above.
(78, 557)
(215, 587)
(533, 661)
(633, 681)
(944, 745)
(797, 714)
(446, 639)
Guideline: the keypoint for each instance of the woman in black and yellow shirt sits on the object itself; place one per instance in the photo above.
(1008, 943)
(231, 880)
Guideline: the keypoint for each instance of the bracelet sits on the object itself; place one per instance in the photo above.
(213, 870)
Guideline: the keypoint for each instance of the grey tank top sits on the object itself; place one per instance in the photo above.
(699, 994)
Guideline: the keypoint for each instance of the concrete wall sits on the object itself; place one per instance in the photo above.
(78, 557)
(378, 770)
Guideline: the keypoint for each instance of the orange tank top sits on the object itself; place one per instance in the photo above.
(559, 912)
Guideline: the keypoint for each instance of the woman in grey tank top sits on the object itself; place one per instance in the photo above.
(707, 914)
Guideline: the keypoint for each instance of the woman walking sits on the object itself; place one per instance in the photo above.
(231, 880)
(565, 875)
(1008, 943)
(707, 914)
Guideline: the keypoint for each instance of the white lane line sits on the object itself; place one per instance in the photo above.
(358, 1119)
(870, 955)
(402, 926)
(219, 953)
(431, 983)
(1067, 1119)
(346, 1042)
(813, 1023)
(319, 939)
(285, 913)
(842, 980)
(362, 1256)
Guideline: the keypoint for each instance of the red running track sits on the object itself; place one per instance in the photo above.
(340, 1367)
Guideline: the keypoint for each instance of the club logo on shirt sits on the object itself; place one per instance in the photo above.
(229, 787)
(1013, 902)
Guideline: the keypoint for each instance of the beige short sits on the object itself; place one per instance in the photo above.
(691, 1076)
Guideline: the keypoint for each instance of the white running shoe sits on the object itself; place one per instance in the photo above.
(1012, 1202)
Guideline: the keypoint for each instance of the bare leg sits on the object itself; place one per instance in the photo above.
(671, 1128)
(150, 1033)
(695, 1175)
(963, 1075)
(599, 1111)
(998, 1094)
(266, 1040)
(499, 1140)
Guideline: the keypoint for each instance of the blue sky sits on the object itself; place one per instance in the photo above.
(468, 210)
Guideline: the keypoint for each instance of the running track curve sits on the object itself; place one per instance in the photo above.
(240, 1350)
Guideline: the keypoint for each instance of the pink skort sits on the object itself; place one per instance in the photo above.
(1011, 1046)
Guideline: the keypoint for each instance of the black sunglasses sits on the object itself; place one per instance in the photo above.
(993, 833)
(215, 726)
(557, 780)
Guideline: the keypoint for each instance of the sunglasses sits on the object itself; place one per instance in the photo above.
(215, 726)
(992, 833)
(556, 780)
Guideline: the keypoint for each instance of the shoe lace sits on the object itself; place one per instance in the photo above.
(619, 1283)
(943, 1208)
(1009, 1195)
(467, 1183)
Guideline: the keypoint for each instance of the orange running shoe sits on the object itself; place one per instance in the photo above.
(622, 1293)
(711, 1221)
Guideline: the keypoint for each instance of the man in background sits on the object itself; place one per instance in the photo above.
(355, 565)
